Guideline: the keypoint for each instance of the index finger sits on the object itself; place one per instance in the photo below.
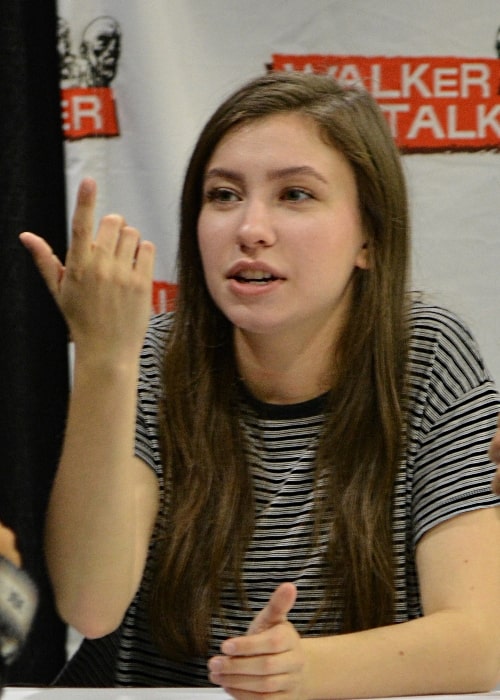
(277, 609)
(83, 218)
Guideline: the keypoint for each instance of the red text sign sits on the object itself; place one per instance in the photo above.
(433, 103)
(88, 112)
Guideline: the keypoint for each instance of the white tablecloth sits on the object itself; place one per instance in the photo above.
(114, 694)
(168, 694)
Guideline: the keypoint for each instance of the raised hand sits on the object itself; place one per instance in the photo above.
(269, 659)
(104, 287)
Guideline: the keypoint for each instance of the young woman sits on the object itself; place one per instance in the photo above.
(299, 504)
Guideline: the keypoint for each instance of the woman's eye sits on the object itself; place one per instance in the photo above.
(296, 194)
(221, 194)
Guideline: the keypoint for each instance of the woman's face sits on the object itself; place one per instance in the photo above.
(279, 229)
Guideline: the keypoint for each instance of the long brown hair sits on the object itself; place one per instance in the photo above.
(210, 514)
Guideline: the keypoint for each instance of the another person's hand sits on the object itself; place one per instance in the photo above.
(8, 547)
(104, 287)
(494, 453)
(269, 660)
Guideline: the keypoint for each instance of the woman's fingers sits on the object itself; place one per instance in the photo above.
(276, 610)
(121, 245)
(145, 259)
(104, 289)
(127, 245)
(82, 225)
(49, 265)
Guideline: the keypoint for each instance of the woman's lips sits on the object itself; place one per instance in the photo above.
(254, 277)
(256, 273)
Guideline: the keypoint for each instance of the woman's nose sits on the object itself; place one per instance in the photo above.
(256, 227)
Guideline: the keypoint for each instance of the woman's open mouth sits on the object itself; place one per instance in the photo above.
(255, 277)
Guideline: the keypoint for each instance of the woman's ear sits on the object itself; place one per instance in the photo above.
(364, 257)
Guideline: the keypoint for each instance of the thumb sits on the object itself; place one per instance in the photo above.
(49, 265)
(277, 609)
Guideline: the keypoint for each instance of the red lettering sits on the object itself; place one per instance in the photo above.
(88, 112)
(431, 103)
(164, 294)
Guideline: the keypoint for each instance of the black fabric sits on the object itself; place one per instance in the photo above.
(33, 348)
(93, 664)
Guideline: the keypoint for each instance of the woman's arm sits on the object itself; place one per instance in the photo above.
(102, 506)
(104, 500)
(454, 648)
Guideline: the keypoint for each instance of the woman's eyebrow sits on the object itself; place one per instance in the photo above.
(274, 174)
(224, 173)
(297, 170)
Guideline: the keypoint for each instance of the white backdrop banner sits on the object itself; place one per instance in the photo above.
(139, 79)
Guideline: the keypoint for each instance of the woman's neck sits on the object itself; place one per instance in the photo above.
(281, 372)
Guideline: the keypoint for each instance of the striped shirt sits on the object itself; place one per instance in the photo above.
(445, 472)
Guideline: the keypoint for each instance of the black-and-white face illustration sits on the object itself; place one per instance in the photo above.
(100, 49)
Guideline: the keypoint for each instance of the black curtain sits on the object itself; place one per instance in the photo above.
(33, 346)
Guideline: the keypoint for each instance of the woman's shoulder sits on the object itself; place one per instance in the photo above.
(153, 350)
(441, 340)
(159, 328)
(436, 329)
(161, 324)
(426, 317)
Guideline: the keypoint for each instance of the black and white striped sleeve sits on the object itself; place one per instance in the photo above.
(147, 446)
(455, 409)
